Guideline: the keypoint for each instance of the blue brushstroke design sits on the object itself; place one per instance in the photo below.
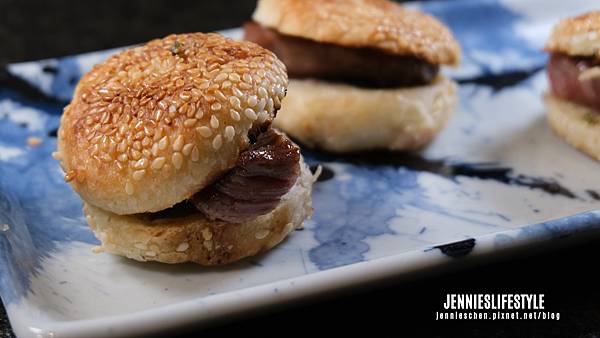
(499, 38)
(42, 210)
(368, 200)
(66, 78)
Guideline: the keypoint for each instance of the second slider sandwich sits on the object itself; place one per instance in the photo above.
(573, 102)
(171, 148)
(364, 73)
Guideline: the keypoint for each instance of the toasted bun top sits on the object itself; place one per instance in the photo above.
(379, 24)
(152, 125)
(577, 36)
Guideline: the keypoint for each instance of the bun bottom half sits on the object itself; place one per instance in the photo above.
(194, 238)
(344, 118)
(576, 124)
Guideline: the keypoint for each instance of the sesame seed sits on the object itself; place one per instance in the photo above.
(184, 96)
(158, 163)
(250, 114)
(34, 141)
(234, 77)
(226, 84)
(178, 143)
(151, 254)
(217, 142)
(221, 77)
(215, 106)
(128, 188)
(262, 233)
(122, 146)
(122, 158)
(195, 154)
(234, 115)
(71, 174)
(191, 110)
(104, 118)
(136, 155)
(141, 163)
(158, 114)
(204, 85)
(146, 141)
(262, 116)
(163, 105)
(189, 122)
(262, 92)
(235, 102)
(149, 130)
(204, 131)
(252, 101)
(163, 143)
(214, 122)
(261, 104)
(177, 160)
(237, 92)
(199, 114)
(106, 158)
(138, 174)
(187, 149)
(247, 78)
(182, 247)
(157, 134)
(206, 234)
(155, 149)
(229, 133)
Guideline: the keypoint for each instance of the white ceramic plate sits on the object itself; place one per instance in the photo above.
(490, 182)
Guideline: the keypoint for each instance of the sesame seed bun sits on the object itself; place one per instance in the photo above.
(154, 124)
(194, 238)
(576, 124)
(378, 24)
(577, 36)
(342, 118)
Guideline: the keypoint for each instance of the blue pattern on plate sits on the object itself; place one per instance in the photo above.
(501, 49)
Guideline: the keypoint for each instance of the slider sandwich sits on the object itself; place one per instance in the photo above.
(573, 102)
(364, 73)
(171, 148)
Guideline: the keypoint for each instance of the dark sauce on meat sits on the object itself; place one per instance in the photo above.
(254, 187)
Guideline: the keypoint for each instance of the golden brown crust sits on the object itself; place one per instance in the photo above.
(577, 36)
(196, 239)
(152, 125)
(344, 118)
(379, 24)
(576, 124)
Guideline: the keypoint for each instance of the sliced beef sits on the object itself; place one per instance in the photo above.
(365, 67)
(254, 187)
(574, 79)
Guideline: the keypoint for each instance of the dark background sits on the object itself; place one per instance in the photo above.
(31, 30)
